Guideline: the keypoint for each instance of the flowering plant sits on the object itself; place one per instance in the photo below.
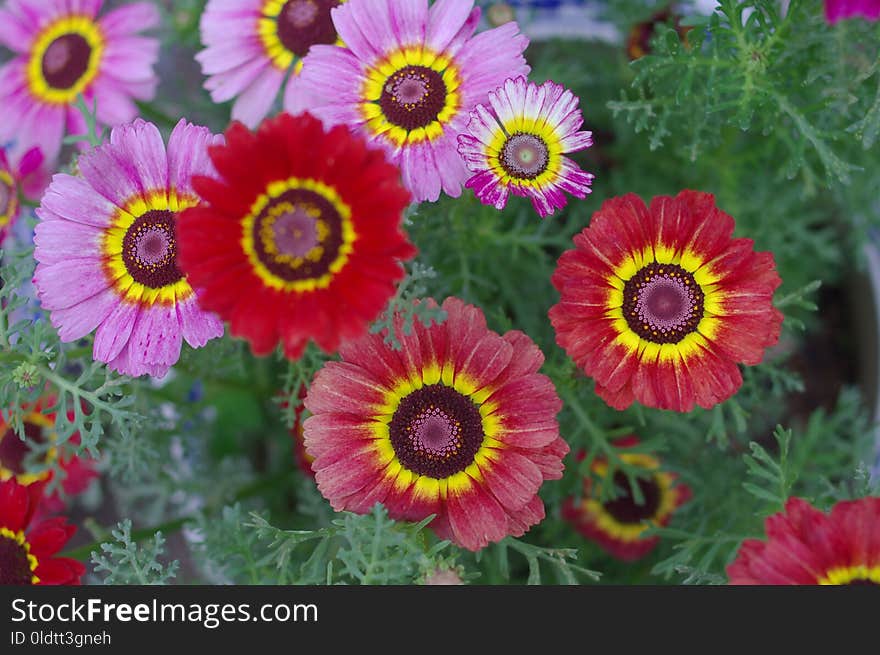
(393, 292)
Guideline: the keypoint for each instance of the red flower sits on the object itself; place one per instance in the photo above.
(26, 555)
(659, 304)
(458, 423)
(39, 430)
(807, 547)
(28, 176)
(618, 524)
(300, 238)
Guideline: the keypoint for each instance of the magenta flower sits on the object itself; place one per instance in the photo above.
(63, 50)
(407, 79)
(517, 145)
(107, 253)
(27, 176)
(836, 10)
(252, 46)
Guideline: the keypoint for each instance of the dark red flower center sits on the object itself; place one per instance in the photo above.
(663, 303)
(624, 508)
(525, 156)
(304, 23)
(14, 450)
(413, 97)
(436, 431)
(66, 60)
(15, 568)
(298, 235)
(149, 249)
(861, 582)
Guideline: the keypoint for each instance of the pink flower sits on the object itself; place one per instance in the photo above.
(252, 46)
(836, 10)
(407, 79)
(106, 248)
(62, 49)
(28, 176)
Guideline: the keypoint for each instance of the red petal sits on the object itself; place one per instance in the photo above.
(346, 388)
(524, 518)
(49, 537)
(15, 508)
(620, 399)
(475, 516)
(483, 360)
(513, 479)
(330, 432)
(60, 571)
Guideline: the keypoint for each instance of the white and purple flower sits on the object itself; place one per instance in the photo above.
(517, 144)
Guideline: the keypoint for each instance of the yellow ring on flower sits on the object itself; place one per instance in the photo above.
(114, 264)
(83, 26)
(425, 486)
(27, 478)
(704, 276)
(377, 77)
(18, 537)
(267, 29)
(275, 190)
(531, 126)
(630, 532)
(847, 574)
(12, 202)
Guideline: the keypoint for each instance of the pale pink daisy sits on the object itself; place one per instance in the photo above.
(517, 144)
(407, 78)
(107, 252)
(62, 49)
(253, 45)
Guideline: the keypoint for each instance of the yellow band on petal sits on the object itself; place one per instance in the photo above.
(19, 538)
(848, 574)
(114, 264)
(378, 76)
(48, 426)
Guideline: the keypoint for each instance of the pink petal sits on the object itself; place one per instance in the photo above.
(129, 19)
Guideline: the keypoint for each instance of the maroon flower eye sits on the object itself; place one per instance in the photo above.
(659, 304)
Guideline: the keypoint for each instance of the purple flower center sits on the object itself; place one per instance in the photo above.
(13, 449)
(304, 23)
(295, 232)
(624, 508)
(298, 235)
(436, 431)
(413, 97)
(663, 303)
(149, 250)
(525, 156)
(66, 60)
(153, 245)
(15, 569)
